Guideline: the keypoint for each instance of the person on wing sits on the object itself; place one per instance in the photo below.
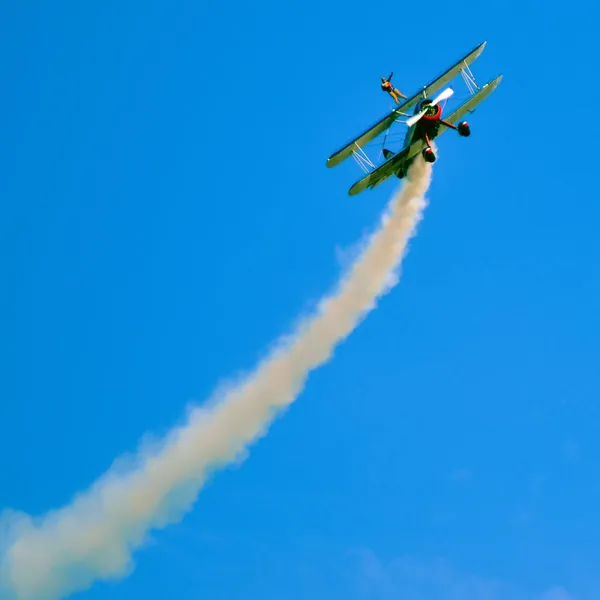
(386, 86)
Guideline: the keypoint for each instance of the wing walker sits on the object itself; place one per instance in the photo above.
(424, 124)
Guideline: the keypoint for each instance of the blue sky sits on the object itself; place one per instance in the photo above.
(167, 213)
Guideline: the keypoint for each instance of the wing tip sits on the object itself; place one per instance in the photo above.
(359, 186)
(478, 50)
(334, 160)
(493, 83)
(496, 81)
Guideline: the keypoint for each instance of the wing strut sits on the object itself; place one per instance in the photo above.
(469, 79)
(364, 162)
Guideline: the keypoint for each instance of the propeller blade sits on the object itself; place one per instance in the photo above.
(415, 118)
(442, 96)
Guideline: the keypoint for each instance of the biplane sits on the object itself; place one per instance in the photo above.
(424, 125)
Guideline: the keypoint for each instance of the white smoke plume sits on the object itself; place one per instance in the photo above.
(93, 538)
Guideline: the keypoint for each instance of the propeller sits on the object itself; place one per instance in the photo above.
(442, 96)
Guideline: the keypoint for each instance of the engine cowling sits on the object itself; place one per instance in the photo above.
(433, 112)
(464, 129)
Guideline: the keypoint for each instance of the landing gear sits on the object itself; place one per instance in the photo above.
(463, 129)
(429, 155)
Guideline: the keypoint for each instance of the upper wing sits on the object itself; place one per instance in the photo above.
(471, 103)
(441, 80)
(364, 138)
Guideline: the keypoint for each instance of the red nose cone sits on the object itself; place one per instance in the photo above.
(435, 116)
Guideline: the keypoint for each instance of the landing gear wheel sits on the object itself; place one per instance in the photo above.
(429, 155)
(464, 129)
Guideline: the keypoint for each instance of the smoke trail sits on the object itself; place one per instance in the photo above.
(93, 538)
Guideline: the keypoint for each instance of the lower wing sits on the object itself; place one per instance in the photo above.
(471, 103)
(387, 169)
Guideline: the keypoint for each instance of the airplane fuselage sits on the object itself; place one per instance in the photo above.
(426, 128)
